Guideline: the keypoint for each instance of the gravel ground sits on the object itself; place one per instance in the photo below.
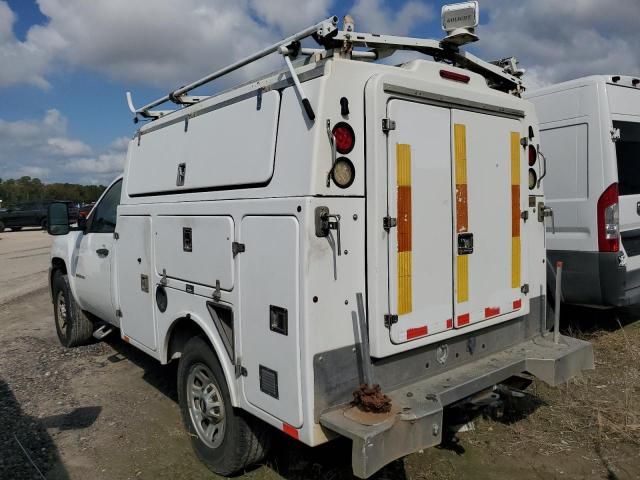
(107, 411)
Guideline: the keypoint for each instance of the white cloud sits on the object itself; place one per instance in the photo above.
(374, 16)
(557, 41)
(67, 147)
(42, 148)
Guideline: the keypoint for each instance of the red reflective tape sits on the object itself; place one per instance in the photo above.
(417, 332)
(464, 319)
(491, 312)
(289, 430)
(517, 304)
(449, 323)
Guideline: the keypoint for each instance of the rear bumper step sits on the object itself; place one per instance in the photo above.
(416, 419)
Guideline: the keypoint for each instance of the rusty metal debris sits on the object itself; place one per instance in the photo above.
(371, 399)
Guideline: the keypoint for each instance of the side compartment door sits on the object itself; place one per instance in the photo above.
(420, 199)
(269, 318)
(488, 245)
(135, 288)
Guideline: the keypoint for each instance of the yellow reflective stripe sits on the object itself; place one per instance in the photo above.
(463, 278)
(515, 211)
(403, 227)
(462, 208)
(405, 286)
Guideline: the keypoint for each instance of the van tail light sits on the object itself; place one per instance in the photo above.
(344, 137)
(533, 155)
(608, 220)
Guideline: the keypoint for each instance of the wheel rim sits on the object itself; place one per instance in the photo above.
(206, 405)
(62, 317)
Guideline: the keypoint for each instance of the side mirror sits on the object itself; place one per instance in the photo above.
(58, 219)
(82, 223)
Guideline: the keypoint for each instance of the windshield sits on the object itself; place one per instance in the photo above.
(628, 156)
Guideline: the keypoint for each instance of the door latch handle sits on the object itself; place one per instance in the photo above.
(327, 221)
(102, 252)
(544, 212)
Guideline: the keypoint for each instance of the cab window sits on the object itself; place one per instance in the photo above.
(103, 219)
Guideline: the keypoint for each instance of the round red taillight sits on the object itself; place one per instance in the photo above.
(533, 155)
(344, 137)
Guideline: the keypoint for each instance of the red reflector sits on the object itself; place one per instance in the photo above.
(125, 338)
(517, 304)
(456, 77)
(449, 323)
(289, 430)
(463, 319)
(491, 311)
(344, 137)
(417, 332)
(533, 155)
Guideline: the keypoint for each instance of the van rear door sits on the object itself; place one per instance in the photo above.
(628, 160)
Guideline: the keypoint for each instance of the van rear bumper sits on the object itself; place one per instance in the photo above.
(416, 419)
(594, 278)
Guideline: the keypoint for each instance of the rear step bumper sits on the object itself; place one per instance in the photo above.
(417, 423)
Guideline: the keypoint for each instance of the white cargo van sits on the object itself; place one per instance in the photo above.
(590, 136)
(338, 225)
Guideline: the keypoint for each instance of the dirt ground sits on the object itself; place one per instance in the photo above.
(106, 411)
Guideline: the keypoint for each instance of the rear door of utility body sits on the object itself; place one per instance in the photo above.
(454, 256)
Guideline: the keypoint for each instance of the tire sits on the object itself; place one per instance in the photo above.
(72, 326)
(240, 440)
(43, 224)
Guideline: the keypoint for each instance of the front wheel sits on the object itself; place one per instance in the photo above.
(72, 325)
(224, 439)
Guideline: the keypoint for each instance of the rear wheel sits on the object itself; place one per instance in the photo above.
(72, 325)
(224, 439)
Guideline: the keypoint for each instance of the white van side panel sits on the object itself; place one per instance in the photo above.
(229, 146)
(623, 100)
(206, 260)
(135, 280)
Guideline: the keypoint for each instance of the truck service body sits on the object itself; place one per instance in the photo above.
(590, 130)
(257, 223)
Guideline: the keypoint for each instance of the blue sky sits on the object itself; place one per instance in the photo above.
(65, 64)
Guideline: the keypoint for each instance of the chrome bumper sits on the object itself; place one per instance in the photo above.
(419, 406)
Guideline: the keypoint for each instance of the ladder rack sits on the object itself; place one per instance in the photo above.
(501, 75)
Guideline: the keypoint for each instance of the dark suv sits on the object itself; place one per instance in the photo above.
(33, 214)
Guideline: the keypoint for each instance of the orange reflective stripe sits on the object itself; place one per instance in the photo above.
(403, 228)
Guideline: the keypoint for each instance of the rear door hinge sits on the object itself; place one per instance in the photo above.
(116, 235)
(237, 248)
(388, 124)
(389, 222)
(390, 319)
(239, 369)
(524, 215)
(119, 313)
(525, 288)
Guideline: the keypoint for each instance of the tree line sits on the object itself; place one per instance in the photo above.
(27, 189)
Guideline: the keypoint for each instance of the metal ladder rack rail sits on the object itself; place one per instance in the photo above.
(327, 34)
(323, 29)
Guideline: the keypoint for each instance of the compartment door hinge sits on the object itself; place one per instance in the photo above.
(119, 313)
(239, 369)
(389, 222)
(237, 248)
(388, 124)
(116, 235)
(390, 319)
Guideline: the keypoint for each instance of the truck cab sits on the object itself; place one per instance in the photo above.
(339, 226)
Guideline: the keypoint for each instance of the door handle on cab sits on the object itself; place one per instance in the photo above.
(102, 252)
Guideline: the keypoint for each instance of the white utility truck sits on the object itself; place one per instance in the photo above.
(590, 136)
(342, 248)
